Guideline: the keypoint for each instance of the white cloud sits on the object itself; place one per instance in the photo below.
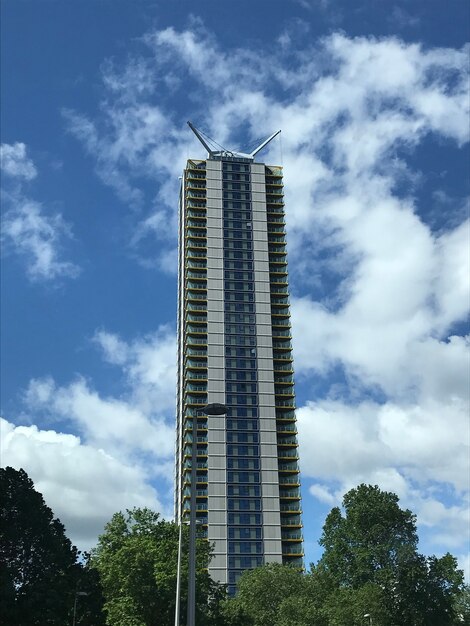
(149, 364)
(37, 237)
(125, 443)
(416, 451)
(15, 163)
(83, 485)
(136, 424)
(28, 231)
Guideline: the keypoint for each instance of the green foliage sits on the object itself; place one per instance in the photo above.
(136, 558)
(373, 550)
(39, 572)
(462, 607)
(261, 592)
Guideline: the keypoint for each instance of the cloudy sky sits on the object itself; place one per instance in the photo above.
(372, 99)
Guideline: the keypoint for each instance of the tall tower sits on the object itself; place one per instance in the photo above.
(234, 348)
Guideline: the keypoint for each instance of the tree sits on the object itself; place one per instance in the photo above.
(374, 546)
(462, 607)
(136, 558)
(39, 571)
(260, 594)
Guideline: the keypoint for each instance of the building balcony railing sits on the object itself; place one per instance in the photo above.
(283, 415)
(194, 352)
(196, 364)
(296, 522)
(292, 535)
(287, 441)
(292, 550)
(283, 368)
(281, 380)
(192, 387)
(196, 376)
(282, 356)
(282, 454)
(288, 467)
(192, 400)
(279, 291)
(287, 428)
(291, 494)
(276, 301)
(289, 480)
(196, 307)
(195, 295)
(197, 319)
(279, 322)
(195, 244)
(195, 328)
(196, 341)
(281, 344)
(290, 508)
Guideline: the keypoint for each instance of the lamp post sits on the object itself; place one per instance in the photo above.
(370, 618)
(77, 593)
(210, 409)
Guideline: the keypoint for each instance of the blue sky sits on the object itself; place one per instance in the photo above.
(372, 100)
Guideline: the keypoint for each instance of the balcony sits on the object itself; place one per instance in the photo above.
(194, 295)
(282, 356)
(295, 522)
(194, 352)
(283, 368)
(287, 428)
(200, 329)
(196, 376)
(196, 341)
(292, 535)
(276, 291)
(196, 307)
(292, 550)
(283, 415)
(287, 441)
(288, 467)
(290, 495)
(195, 364)
(290, 508)
(193, 387)
(283, 455)
(281, 380)
(289, 480)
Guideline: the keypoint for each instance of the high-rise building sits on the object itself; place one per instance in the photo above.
(234, 348)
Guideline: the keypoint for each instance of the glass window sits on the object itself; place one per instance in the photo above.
(243, 477)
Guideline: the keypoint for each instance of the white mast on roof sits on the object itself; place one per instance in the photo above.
(230, 153)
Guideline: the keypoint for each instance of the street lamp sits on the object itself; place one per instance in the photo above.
(77, 593)
(211, 409)
(370, 618)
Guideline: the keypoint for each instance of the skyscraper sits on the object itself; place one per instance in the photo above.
(234, 348)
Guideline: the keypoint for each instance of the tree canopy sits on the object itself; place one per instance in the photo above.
(136, 558)
(39, 568)
(370, 565)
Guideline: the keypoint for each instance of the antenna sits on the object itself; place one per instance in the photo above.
(199, 136)
(223, 152)
(265, 143)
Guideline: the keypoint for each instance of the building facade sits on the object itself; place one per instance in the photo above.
(234, 348)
